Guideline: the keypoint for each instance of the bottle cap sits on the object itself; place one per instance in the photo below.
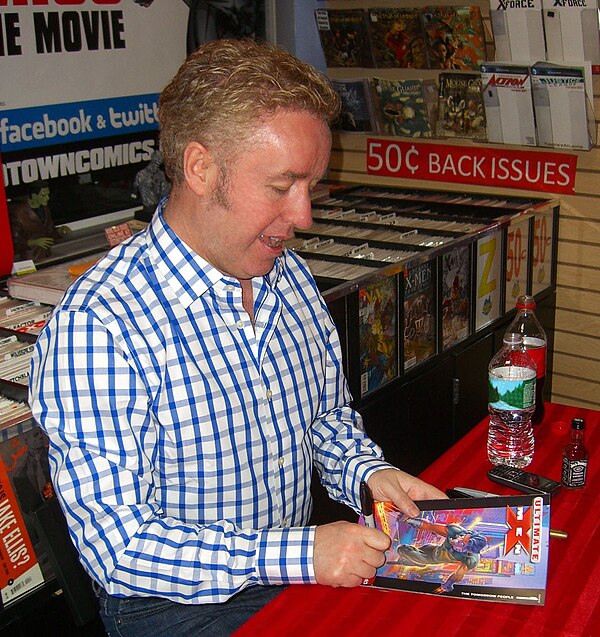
(577, 423)
(525, 301)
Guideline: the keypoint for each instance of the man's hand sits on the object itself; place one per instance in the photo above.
(345, 554)
(393, 485)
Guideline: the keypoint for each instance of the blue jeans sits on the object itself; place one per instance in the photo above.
(157, 617)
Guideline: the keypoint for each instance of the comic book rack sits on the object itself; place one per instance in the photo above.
(467, 259)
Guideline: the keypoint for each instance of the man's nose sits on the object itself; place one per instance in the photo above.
(300, 212)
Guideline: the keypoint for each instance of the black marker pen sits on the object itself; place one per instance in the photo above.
(366, 505)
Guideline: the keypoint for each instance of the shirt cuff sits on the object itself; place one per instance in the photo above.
(285, 556)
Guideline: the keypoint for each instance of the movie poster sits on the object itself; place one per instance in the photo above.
(78, 116)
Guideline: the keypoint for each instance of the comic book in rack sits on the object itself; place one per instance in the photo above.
(456, 295)
(377, 312)
(400, 107)
(461, 112)
(397, 39)
(454, 37)
(48, 285)
(357, 109)
(24, 486)
(491, 549)
(419, 314)
(344, 37)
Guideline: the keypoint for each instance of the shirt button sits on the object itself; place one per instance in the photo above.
(269, 394)
(240, 325)
(230, 288)
(281, 461)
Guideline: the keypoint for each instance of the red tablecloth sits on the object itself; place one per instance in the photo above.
(572, 602)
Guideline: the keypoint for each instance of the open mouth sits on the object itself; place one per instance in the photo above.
(272, 242)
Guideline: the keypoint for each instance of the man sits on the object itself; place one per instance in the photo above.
(192, 378)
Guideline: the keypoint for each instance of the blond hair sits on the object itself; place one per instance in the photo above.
(226, 87)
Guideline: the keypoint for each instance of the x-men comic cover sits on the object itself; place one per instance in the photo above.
(487, 549)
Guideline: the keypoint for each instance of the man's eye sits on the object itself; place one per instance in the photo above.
(281, 190)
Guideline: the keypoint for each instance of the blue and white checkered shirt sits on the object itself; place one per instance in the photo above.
(182, 436)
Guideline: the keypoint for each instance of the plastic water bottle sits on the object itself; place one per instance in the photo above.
(535, 341)
(511, 404)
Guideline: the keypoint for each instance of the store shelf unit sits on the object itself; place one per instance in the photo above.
(418, 332)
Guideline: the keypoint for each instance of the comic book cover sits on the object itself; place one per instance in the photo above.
(461, 112)
(456, 296)
(488, 283)
(419, 314)
(377, 311)
(357, 110)
(487, 549)
(24, 486)
(397, 39)
(344, 37)
(400, 107)
(454, 37)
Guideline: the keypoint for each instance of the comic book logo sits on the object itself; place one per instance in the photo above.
(525, 530)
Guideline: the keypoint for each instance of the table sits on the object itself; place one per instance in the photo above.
(573, 591)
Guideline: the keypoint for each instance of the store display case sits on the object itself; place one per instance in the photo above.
(422, 284)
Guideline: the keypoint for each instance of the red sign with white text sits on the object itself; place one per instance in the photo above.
(526, 170)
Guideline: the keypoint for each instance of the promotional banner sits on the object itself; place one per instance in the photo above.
(78, 109)
(496, 168)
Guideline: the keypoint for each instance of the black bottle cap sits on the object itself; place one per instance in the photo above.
(577, 423)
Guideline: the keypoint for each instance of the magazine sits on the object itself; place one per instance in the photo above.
(357, 110)
(461, 112)
(344, 37)
(397, 39)
(400, 107)
(24, 485)
(486, 549)
(377, 311)
(456, 284)
(454, 37)
(419, 314)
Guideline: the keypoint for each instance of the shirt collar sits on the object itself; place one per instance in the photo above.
(186, 272)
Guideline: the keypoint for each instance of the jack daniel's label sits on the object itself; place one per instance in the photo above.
(574, 472)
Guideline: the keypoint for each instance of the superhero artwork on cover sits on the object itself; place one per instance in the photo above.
(377, 311)
(397, 38)
(486, 549)
(456, 282)
(419, 314)
(454, 37)
(344, 37)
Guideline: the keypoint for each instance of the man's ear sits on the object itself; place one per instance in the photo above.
(198, 166)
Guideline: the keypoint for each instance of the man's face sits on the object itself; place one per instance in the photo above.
(460, 543)
(263, 195)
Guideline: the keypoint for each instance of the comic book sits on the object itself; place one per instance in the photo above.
(456, 297)
(454, 37)
(344, 37)
(486, 549)
(400, 107)
(377, 311)
(397, 39)
(24, 486)
(461, 112)
(357, 109)
(419, 314)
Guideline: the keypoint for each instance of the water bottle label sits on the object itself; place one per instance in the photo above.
(514, 389)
